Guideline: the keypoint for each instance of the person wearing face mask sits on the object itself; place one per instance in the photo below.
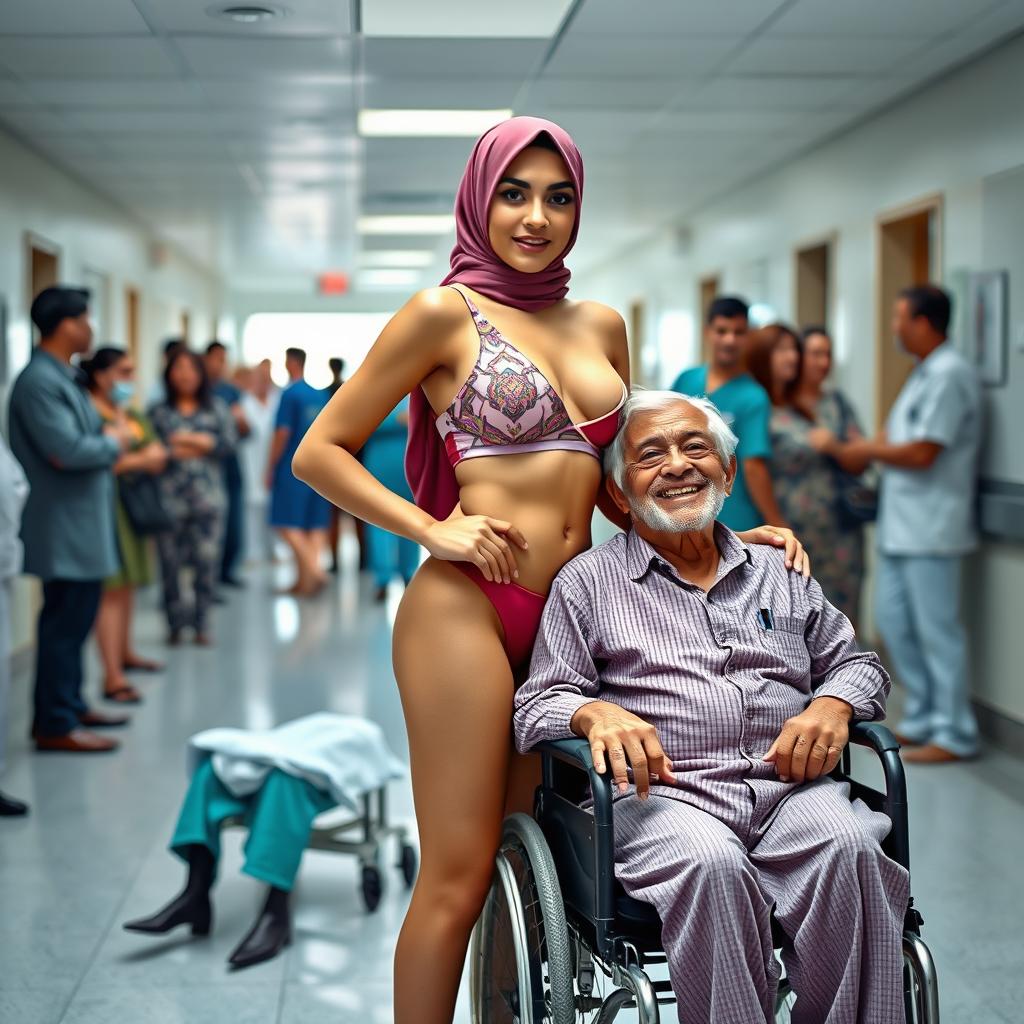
(805, 480)
(110, 381)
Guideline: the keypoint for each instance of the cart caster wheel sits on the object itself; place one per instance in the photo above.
(372, 887)
(408, 863)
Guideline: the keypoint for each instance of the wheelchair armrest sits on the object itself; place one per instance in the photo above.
(874, 735)
(575, 752)
(894, 801)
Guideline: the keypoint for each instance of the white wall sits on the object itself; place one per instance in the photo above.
(92, 236)
(948, 140)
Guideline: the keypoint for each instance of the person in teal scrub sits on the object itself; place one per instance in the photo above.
(384, 456)
(745, 406)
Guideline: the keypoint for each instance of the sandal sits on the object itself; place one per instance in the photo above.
(123, 695)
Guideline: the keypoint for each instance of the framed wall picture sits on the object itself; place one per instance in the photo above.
(987, 324)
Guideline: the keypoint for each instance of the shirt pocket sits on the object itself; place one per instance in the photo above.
(787, 643)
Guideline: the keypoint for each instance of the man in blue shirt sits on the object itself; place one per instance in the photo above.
(216, 362)
(745, 406)
(297, 512)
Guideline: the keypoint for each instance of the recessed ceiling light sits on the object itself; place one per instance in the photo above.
(406, 224)
(245, 14)
(396, 258)
(440, 123)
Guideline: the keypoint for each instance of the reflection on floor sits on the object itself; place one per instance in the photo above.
(93, 852)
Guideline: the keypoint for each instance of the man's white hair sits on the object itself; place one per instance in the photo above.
(641, 400)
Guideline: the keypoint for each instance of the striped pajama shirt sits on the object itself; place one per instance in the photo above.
(729, 841)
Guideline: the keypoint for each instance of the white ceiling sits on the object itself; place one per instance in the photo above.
(238, 142)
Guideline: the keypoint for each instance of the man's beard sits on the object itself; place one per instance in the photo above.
(685, 520)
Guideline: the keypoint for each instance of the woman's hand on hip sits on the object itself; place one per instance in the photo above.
(778, 536)
(486, 542)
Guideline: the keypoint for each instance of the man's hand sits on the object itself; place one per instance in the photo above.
(812, 742)
(622, 736)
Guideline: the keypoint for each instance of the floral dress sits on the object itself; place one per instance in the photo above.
(806, 490)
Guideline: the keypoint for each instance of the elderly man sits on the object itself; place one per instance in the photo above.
(728, 684)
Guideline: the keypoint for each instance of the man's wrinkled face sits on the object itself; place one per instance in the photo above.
(675, 481)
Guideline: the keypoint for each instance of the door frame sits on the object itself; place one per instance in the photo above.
(932, 203)
(830, 240)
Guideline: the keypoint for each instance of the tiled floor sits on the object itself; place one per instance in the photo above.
(93, 852)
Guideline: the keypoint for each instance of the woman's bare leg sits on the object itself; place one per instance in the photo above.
(456, 688)
(110, 637)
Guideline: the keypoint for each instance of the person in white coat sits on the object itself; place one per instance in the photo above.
(13, 494)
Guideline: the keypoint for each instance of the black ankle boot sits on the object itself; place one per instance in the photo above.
(270, 933)
(191, 906)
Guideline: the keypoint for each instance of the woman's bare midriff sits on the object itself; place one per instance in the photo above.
(548, 496)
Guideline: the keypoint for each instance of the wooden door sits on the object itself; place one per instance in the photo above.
(907, 255)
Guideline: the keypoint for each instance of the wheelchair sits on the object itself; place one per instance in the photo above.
(560, 942)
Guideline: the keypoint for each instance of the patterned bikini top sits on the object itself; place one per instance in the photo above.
(508, 407)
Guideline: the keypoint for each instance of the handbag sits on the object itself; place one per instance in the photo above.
(140, 495)
(856, 496)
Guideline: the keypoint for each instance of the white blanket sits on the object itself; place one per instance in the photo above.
(343, 755)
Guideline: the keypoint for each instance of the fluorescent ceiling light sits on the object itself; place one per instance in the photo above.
(538, 19)
(387, 278)
(396, 258)
(406, 224)
(438, 123)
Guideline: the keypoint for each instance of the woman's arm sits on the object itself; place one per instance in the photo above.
(422, 337)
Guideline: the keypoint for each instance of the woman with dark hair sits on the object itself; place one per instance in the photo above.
(515, 393)
(199, 431)
(792, 370)
(110, 382)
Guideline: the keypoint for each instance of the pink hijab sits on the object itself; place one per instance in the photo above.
(474, 263)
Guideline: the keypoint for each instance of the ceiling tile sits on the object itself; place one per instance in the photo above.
(301, 18)
(827, 55)
(916, 18)
(14, 94)
(141, 93)
(440, 58)
(58, 17)
(598, 92)
(410, 93)
(674, 17)
(303, 96)
(469, 18)
(767, 92)
(114, 57)
(637, 56)
(230, 57)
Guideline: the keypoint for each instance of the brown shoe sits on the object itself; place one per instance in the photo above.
(78, 741)
(98, 720)
(931, 753)
(906, 741)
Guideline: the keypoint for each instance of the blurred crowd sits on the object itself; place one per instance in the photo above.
(107, 486)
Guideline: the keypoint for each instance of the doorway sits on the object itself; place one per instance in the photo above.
(636, 341)
(131, 322)
(43, 267)
(708, 288)
(908, 254)
(813, 285)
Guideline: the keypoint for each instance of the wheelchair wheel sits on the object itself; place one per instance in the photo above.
(408, 863)
(372, 886)
(521, 969)
(920, 982)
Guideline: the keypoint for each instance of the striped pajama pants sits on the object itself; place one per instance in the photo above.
(838, 898)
